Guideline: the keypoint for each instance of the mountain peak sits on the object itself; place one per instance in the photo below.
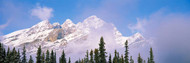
(44, 23)
(137, 35)
(93, 16)
(67, 23)
(93, 21)
(56, 25)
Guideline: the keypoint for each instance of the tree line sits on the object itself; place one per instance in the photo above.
(97, 55)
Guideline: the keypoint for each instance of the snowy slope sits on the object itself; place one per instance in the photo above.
(71, 37)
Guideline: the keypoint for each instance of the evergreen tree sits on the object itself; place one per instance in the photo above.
(24, 60)
(102, 51)
(96, 56)
(13, 55)
(52, 57)
(8, 51)
(8, 56)
(148, 60)
(144, 61)
(38, 57)
(76, 61)
(110, 61)
(151, 56)
(86, 58)
(79, 61)
(62, 59)
(131, 60)
(118, 57)
(91, 57)
(2, 53)
(126, 52)
(18, 60)
(69, 60)
(43, 58)
(82, 61)
(140, 60)
(47, 57)
(5, 54)
(122, 59)
(115, 57)
(30, 60)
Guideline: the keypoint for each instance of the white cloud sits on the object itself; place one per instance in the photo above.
(170, 33)
(4, 25)
(43, 13)
(139, 26)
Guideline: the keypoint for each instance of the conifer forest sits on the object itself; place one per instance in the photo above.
(98, 55)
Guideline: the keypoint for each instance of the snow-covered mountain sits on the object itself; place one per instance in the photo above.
(73, 38)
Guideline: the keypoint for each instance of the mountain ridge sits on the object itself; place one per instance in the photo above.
(69, 36)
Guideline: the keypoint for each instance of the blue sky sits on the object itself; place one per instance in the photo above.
(17, 13)
(165, 22)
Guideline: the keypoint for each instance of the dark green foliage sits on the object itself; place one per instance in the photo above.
(47, 57)
(69, 60)
(8, 56)
(38, 57)
(115, 58)
(118, 57)
(131, 60)
(43, 58)
(24, 55)
(102, 50)
(13, 55)
(140, 60)
(62, 59)
(96, 56)
(82, 61)
(53, 57)
(148, 60)
(144, 61)
(86, 57)
(91, 57)
(30, 60)
(126, 52)
(110, 61)
(79, 61)
(121, 59)
(18, 60)
(2, 53)
(76, 61)
(151, 56)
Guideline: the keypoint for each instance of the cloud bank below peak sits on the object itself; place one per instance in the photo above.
(169, 33)
(43, 13)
